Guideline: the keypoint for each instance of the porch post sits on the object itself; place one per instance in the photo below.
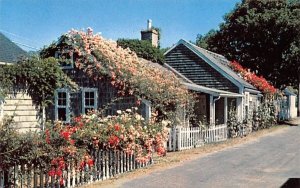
(239, 106)
(211, 110)
(225, 110)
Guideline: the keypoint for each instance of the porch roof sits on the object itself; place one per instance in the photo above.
(211, 91)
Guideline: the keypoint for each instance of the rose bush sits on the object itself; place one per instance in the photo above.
(102, 59)
(62, 145)
(259, 82)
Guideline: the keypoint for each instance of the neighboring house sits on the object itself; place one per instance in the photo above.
(217, 86)
(288, 108)
(16, 103)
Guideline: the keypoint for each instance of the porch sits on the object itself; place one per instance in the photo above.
(212, 106)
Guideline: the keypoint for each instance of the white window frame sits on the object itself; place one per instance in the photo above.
(67, 106)
(70, 66)
(84, 106)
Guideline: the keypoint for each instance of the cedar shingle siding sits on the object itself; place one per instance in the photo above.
(197, 70)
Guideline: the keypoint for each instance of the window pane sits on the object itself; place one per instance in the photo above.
(87, 102)
(91, 94)
(62, 102)
(91, 102)
(62, 95)
(62, 98)
(62, 114)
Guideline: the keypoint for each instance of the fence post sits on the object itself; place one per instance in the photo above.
(179, 137)
(174, 137)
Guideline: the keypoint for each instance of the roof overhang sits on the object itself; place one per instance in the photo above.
(253, 91)
(211, 91)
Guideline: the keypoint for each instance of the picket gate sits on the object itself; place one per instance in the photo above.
(182, 138)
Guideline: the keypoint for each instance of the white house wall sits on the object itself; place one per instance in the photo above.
(24, 112)
(292, 106)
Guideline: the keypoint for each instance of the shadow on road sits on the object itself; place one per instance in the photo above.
(291, 183)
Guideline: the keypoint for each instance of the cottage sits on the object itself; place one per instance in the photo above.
(109, 78)
(217, 86)
(17, 103)
(288, 109)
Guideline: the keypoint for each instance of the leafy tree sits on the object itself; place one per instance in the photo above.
(143, 49)
(39, 77)
(264, 36)
(202, 40)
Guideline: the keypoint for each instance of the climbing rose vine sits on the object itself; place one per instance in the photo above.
(259, 82)
(103, 59)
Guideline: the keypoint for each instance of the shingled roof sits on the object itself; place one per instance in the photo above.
(216, 61)
(9, 51)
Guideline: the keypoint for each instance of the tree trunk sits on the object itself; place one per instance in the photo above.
(298, 95)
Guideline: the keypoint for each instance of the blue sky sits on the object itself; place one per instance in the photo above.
(39, 22)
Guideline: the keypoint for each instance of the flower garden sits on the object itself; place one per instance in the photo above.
(63, 146)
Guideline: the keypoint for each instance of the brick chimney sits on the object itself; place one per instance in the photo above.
(150, 34)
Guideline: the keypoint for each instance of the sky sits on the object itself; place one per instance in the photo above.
(37, 23)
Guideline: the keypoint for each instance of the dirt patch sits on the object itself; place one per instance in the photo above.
(174, 159)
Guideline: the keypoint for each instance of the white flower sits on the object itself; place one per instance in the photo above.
(119, 112)
(165, 122)
(128, 110)
(138, 117)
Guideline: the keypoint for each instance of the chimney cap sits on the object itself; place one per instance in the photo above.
(149, 24)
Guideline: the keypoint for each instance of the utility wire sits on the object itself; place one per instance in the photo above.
(18, 43)
(20, 37)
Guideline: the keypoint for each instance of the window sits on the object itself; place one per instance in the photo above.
(89, 99)
(65, 59)
(62, 105)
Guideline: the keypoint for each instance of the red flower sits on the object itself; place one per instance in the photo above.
(113, 140)
(58, 172)
(51, 172)
(61, 164)
(90, 162)
(259, 82)
(117, 127)
(72, 142)
(65, 134)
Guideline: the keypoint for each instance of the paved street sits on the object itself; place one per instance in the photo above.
(267, 162)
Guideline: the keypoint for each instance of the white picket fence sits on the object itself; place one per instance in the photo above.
(107, 164)
(181, 138)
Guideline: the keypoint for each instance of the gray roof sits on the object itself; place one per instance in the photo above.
(217, 61)
(211, 91)
(188, 83)
(9, 51)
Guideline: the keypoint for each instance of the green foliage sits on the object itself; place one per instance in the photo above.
(233, 124)
(203, 40)
(37, 77)
(143, 49)
(262, 35)
(265, 116)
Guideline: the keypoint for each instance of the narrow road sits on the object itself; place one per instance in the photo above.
(267, 162)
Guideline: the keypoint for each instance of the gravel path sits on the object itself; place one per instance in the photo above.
(267, 162)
